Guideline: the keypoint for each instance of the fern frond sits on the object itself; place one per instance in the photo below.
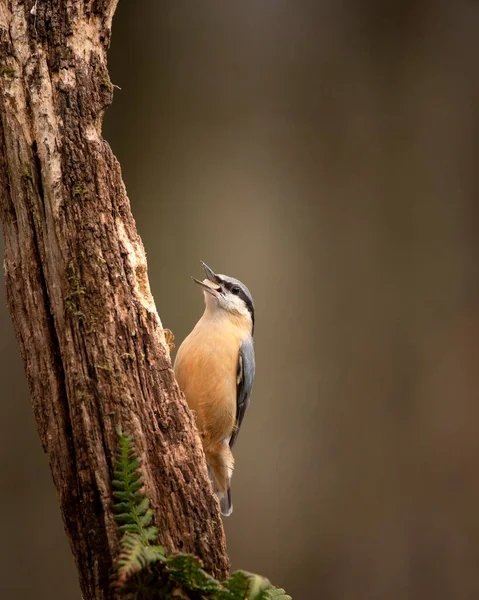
(186, 570)
(277, 594)
(235, 588)
(132, 509)
(249, 586)
(139, 552)
(133, 515)
(135, 557)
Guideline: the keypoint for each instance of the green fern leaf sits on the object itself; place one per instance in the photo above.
(143, 506)
(277, 594)
(139, 551)
(146, 519)
(126, 496)
(150, 534)
(121, 507)
(135, 557)
(130, 528)
(133, 513)
(258, 585)
(124, 517)
(244, 585)
(135, 485)
(236, 587)
(187, 571)
(129, 561)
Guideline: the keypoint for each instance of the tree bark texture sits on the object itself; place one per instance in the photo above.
(78, 291)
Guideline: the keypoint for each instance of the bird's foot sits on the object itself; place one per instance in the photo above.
(169, 337)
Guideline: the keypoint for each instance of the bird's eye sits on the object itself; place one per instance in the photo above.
(235, 290)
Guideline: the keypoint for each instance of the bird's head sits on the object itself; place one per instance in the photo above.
(223, 293)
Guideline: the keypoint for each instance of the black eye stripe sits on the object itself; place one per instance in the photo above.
(249, 305)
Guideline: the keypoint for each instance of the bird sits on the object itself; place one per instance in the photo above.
(215, 369)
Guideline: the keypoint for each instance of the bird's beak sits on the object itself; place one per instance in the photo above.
(210, 274)
(210, 284)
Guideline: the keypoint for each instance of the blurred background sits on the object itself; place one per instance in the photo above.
(326, 154)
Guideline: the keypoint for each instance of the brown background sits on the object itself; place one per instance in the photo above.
(326, 153)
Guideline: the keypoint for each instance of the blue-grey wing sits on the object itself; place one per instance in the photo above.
(244, 384)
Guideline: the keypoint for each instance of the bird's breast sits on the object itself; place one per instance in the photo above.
(205, 368)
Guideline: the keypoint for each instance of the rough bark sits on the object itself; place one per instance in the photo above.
(77, 288)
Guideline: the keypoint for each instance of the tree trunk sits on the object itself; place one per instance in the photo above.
(78, 291)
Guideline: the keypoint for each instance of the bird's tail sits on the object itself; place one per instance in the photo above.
(224, 498)
(220, 468)
(226, 504)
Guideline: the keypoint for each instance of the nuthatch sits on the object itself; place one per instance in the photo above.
(215, 369)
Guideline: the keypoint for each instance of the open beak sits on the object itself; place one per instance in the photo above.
(210, 274)
(209, 284)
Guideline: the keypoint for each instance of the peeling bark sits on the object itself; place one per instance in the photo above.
(78, 291)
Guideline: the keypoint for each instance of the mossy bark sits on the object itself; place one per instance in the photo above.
(78, 291)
